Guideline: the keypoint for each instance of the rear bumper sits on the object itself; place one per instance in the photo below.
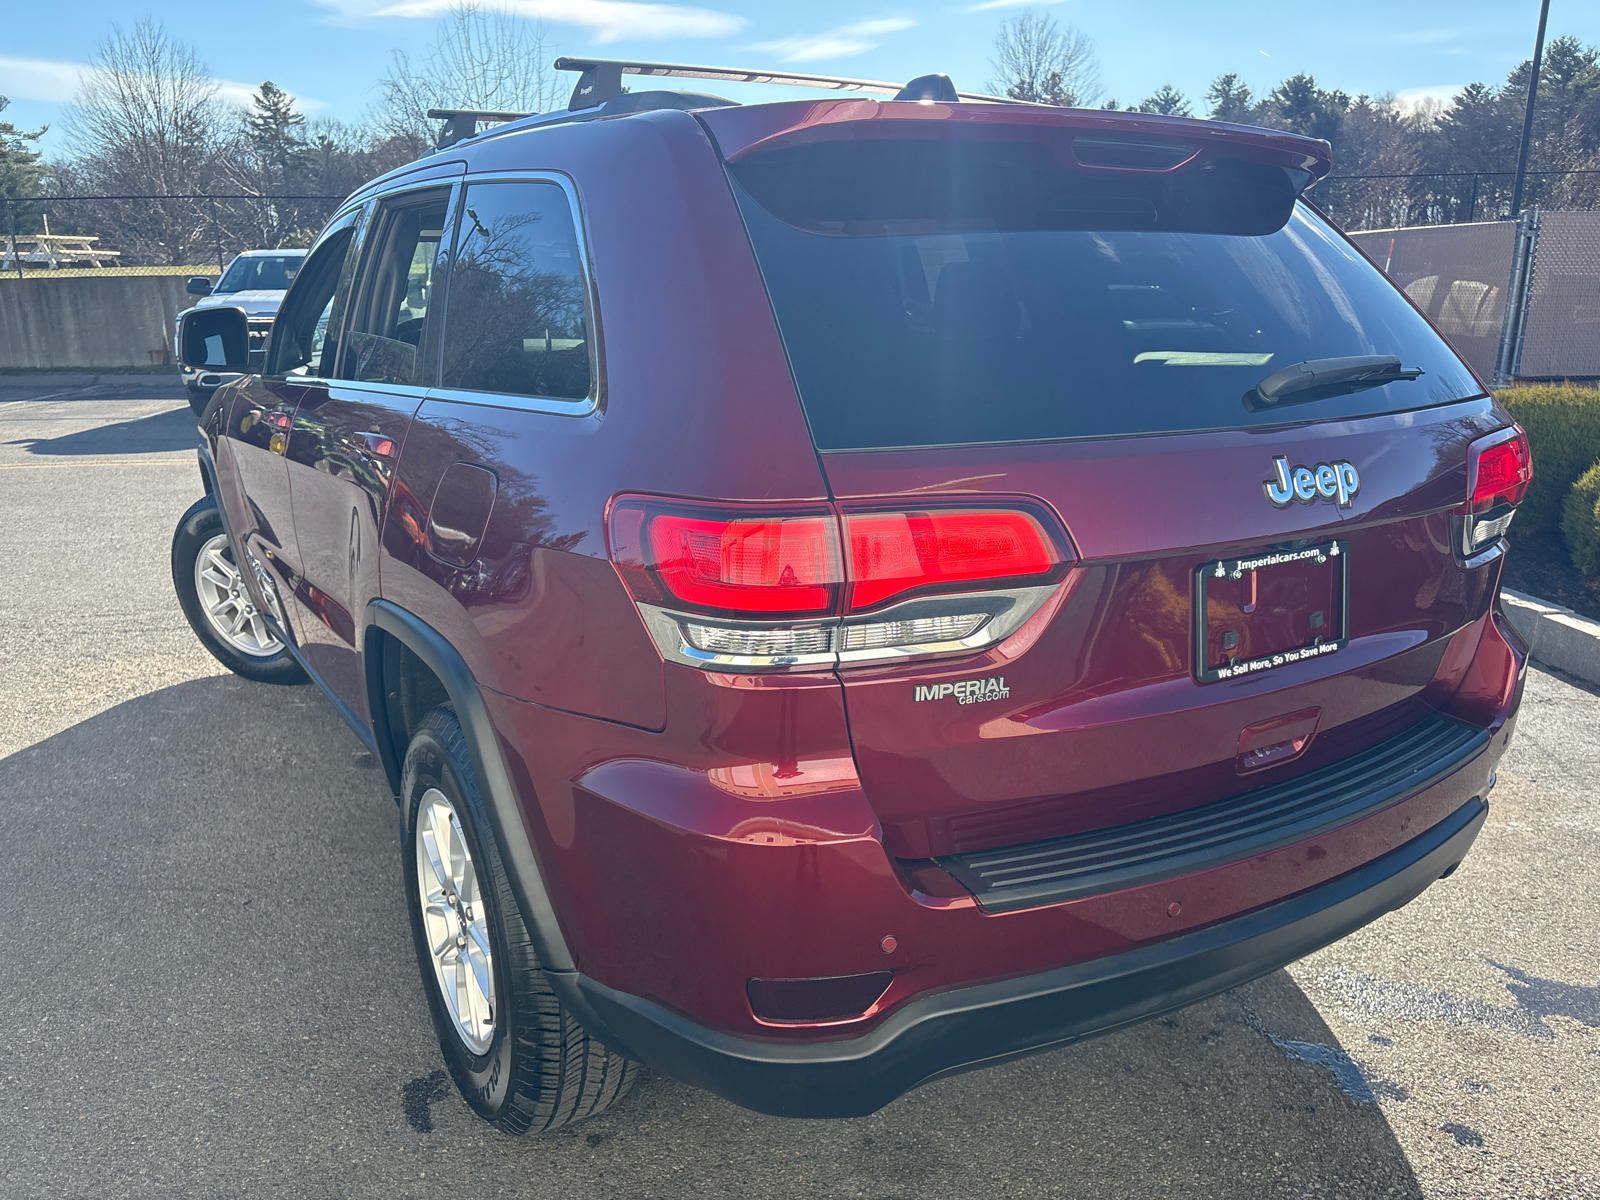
(969, 1027)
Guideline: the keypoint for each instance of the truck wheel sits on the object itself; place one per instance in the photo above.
(519, 1059)
(221, 612)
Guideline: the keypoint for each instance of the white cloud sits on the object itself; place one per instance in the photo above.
(611, 20)
(1412, 99)
(38, 79)
(842, 42)
(989, 4)
(56, 83)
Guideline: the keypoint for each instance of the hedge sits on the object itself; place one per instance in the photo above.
(1563, 424)
(1580, 521)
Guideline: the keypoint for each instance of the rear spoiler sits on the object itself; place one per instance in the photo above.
(1027, 168)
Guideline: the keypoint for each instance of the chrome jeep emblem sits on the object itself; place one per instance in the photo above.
(965, 691)
(1338, 482)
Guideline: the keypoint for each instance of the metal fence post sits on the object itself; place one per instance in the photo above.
(216, 232)
(1518, 291)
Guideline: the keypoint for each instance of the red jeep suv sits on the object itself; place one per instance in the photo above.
(848, 591)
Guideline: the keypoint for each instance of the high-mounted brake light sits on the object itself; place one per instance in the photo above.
(1499, 470)
(754, 586)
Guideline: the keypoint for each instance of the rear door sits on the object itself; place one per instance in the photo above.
(1256, 586)
(349, 429)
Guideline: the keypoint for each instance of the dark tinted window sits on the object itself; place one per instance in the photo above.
(516, 322)
(908, 323)
(383, 342)
(265, 272)
(301, 346)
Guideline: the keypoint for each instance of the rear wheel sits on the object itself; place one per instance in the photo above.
(221, 611)
(519, 1058)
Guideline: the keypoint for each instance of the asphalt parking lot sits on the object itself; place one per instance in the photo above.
(208, 987)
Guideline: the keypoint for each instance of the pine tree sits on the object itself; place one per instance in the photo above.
(1168, 101)
(1229, 100)
(21, 174)
(277, 135)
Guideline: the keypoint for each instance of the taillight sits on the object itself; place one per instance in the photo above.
(1499, 470)
(896, 554)
(750, 586)
(734, 563)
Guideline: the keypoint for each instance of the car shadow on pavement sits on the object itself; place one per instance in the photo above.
(171, 430)
(211, 989)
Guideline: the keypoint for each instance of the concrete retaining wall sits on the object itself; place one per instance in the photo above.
(93, 321)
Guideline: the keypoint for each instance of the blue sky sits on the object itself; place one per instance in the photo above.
(330, 52)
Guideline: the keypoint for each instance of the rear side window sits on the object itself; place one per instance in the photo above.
(384, 340)
(517, 323)
(955, 312)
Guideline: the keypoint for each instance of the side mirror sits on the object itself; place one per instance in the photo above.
(198, 285)
(214, 339)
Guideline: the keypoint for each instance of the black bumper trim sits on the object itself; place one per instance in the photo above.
(955, 1031)
(1212, 835)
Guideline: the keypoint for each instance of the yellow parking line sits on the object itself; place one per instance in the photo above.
(127, 462)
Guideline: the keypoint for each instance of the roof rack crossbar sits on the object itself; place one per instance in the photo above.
(462, 123)
(602, 79)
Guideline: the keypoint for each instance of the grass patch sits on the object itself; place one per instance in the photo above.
(211, 272)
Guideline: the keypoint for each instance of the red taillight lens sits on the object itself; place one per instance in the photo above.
(1500, 474)
(746, 562)
(896, 553)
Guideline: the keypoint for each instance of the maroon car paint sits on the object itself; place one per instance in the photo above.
(697, 829)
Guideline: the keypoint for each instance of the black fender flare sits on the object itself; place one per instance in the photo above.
(516, 849)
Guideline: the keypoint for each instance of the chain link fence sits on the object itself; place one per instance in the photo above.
(151, 235)
(1449, 197)
(1519, 299)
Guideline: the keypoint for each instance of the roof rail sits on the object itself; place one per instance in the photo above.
(462, 123)
(602, 80)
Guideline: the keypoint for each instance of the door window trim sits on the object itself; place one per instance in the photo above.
(357, 216)
(428, 352)
(555, 406)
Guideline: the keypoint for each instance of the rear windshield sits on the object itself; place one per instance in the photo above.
(953, 329)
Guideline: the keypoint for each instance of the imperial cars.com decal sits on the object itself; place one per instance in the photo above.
(966, 691)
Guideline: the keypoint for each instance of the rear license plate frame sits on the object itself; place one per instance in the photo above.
(1336, 550)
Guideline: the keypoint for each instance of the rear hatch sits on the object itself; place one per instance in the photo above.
(1078, 317)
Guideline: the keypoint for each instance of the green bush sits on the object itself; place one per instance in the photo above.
(1563, 424)
(1580, 521)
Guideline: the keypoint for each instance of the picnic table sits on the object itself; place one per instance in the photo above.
(54, 250)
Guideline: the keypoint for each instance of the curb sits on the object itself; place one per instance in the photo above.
(141, 381)
(1556, 636)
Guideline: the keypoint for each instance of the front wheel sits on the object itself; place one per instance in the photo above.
(519, 1058)
(220, 609)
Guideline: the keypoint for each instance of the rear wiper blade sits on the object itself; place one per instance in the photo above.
(1317, 378)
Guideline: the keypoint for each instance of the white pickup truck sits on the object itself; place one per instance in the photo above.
(254, 281)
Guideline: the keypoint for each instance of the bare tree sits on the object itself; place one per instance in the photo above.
(1037, 59)
(146, 121)
(480, 59)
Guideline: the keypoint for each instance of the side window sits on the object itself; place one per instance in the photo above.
(516, 321)
(383, 343)
(301, 346)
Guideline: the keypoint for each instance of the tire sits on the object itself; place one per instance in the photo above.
(202, 558)
(530, 1065)
(199, 397)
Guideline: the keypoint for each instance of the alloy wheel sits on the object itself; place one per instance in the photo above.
(454, 921)
(227, 602)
